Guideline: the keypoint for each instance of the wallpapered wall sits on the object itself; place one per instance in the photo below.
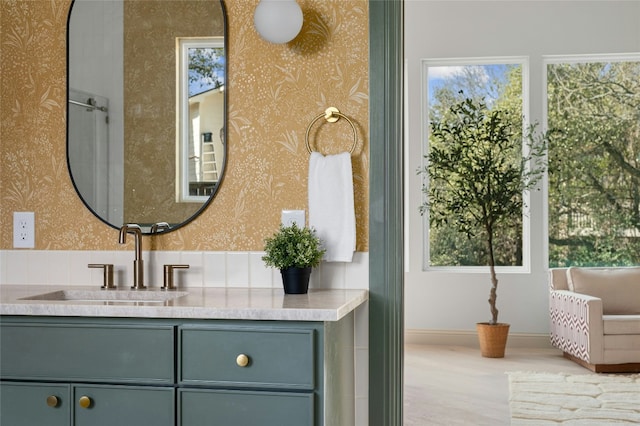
(150, 104)
(274, 93)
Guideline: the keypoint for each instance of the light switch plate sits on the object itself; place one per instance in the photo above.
(291, 216)
(23, 229)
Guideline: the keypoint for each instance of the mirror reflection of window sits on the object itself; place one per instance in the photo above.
(201, 100)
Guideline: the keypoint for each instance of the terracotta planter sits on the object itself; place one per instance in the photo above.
(493, 339)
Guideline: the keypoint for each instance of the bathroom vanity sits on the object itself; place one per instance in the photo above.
(211, 356)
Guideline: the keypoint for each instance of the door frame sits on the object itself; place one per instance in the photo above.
(386, 314)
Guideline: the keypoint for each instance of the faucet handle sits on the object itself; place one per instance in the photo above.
(168, 275)
(107, 274)
(159, 227)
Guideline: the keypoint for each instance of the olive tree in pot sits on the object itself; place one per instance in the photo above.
(478, 170)
(295, 251)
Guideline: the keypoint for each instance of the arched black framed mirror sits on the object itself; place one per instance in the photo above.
(147, 108)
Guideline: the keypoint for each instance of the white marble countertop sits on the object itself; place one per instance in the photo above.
(192, 302)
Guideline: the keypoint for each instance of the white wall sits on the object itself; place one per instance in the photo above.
(457, 29)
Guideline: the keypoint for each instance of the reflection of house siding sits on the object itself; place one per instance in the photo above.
(195, 148)
(206, 154)
(205, 109)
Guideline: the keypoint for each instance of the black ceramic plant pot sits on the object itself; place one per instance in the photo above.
(296, 280)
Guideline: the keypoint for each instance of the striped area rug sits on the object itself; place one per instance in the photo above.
(568, 399)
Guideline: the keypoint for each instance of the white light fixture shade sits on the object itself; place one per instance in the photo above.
(278, 21)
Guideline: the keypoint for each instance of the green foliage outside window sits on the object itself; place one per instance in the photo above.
(496, 88)
(594, 164)
(206, 69)
(593, 113)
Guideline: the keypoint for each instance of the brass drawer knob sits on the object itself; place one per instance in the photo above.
(84, 401)
(242, 360)
(52, 401)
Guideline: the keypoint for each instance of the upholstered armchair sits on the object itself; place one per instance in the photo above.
(595, 317)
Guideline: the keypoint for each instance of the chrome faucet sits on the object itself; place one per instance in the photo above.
(138, 264)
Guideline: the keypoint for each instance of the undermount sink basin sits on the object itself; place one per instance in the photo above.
(110, 296)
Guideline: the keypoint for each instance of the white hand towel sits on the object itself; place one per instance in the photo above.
(331, 211)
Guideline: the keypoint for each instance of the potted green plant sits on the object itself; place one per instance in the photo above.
(295, 251)
(477, 175)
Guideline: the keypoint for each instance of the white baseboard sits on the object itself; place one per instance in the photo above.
(470, 338)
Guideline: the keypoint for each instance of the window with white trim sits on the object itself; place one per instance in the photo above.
(200, 69)
(501, 84)
(593, 109)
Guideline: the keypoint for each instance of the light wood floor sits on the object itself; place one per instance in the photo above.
(453, 385)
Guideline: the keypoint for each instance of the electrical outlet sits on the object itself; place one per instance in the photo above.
(23, 229)
(289, 217)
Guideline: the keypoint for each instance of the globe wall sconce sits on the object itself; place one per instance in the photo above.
(278, 21)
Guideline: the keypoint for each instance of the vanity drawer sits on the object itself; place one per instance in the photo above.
(278, 358)
(112, 353)
(198, 407)
(124, 405)
(28, 404)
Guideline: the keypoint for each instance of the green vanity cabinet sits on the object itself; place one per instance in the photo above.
(245, 407)
(107, 372)
(34, 404)
(175, 372)
(250, 374)
(87, 350)
(123, 405)
(47, 404)
(255, 357)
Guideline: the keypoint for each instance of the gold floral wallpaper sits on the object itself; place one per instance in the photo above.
(274, 93)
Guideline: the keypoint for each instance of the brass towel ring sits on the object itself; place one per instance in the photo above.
(332, 115)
